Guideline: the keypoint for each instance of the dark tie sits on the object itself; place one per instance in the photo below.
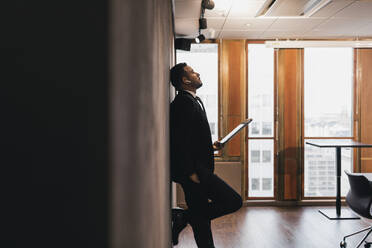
(200, 101)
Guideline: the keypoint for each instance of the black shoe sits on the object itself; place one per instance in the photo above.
(179, 222)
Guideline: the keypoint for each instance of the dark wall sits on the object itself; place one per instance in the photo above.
(140, 52)
(84, 124)
(54, 125)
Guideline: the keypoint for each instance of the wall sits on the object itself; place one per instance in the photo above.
(84, 97)
(54, 125)
(140, 62)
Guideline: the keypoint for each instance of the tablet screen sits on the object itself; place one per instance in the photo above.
(235, 131)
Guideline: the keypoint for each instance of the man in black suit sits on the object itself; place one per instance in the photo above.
(192, 161)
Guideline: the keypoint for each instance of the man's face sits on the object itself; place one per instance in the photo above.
(192, 78)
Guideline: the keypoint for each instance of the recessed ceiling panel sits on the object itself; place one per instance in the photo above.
(236, 20)
(244, 8)
(332, 8)
(280, 34)
(296, 24)
(240, 34)
(285, 7)
(341, 26)
(365, 31)
(247, 23)
(215, 23)
(359, 9)
(221, 8)
(319, 36)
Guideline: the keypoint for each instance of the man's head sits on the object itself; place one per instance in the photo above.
(183, 77)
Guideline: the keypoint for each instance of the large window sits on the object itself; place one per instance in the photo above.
(328, 105)
(203, 58)
(261, 130)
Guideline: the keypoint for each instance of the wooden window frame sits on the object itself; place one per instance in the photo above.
(275, 131)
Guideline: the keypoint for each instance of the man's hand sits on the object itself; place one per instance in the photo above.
(194, 178)
(217, 145)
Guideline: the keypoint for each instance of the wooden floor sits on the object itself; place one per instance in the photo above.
(278, 227)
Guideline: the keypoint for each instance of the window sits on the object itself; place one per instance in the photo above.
(267, 128)
(203, 58)
(328, 104)
(212, 126)
(267, 184)
(266, 156)
(255, 156)
(254, 128)
(255, 184)
(261, 109)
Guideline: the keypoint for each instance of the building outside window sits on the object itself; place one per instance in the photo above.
(267, 183)
(255, 184)
(261, 130)
(328, 113)
(255, 156)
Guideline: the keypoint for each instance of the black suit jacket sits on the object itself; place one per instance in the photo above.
(191, 145)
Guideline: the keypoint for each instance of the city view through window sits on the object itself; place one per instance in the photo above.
(328, 111)
(261, 130)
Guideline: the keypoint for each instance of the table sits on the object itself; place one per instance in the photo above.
(338, 144)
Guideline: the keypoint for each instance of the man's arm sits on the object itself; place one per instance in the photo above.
(183, 135)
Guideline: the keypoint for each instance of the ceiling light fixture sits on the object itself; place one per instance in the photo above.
(183, 44)
(200, 38)
(203, 23)
(207, 4)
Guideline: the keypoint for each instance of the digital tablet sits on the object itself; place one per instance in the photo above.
(236, 130)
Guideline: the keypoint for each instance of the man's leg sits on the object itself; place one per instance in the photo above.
(225, 200)
(198, 205)
(179, 222)
(202, 233)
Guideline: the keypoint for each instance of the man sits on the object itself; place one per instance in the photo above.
(192, 161)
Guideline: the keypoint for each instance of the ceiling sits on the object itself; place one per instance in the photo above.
(236, 19)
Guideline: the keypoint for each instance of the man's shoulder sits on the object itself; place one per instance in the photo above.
(183, 99)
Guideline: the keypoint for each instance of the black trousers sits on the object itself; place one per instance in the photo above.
(206, 201)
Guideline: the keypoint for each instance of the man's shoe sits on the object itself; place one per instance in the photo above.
(179, 222)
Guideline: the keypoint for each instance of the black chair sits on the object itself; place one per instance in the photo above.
(359, 199)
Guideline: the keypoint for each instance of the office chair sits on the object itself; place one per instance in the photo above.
(359, 199)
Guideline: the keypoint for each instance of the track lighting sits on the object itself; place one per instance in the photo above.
(202, 23)
(183, 44)
(200, 38)
(207, 4)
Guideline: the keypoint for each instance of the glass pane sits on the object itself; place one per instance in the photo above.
(203, 58)
(261, 90)
(267, 183)
(261, 168)
(255, 185)
(320, 171)
(328, 92)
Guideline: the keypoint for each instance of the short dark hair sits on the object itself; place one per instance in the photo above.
(176, 74)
